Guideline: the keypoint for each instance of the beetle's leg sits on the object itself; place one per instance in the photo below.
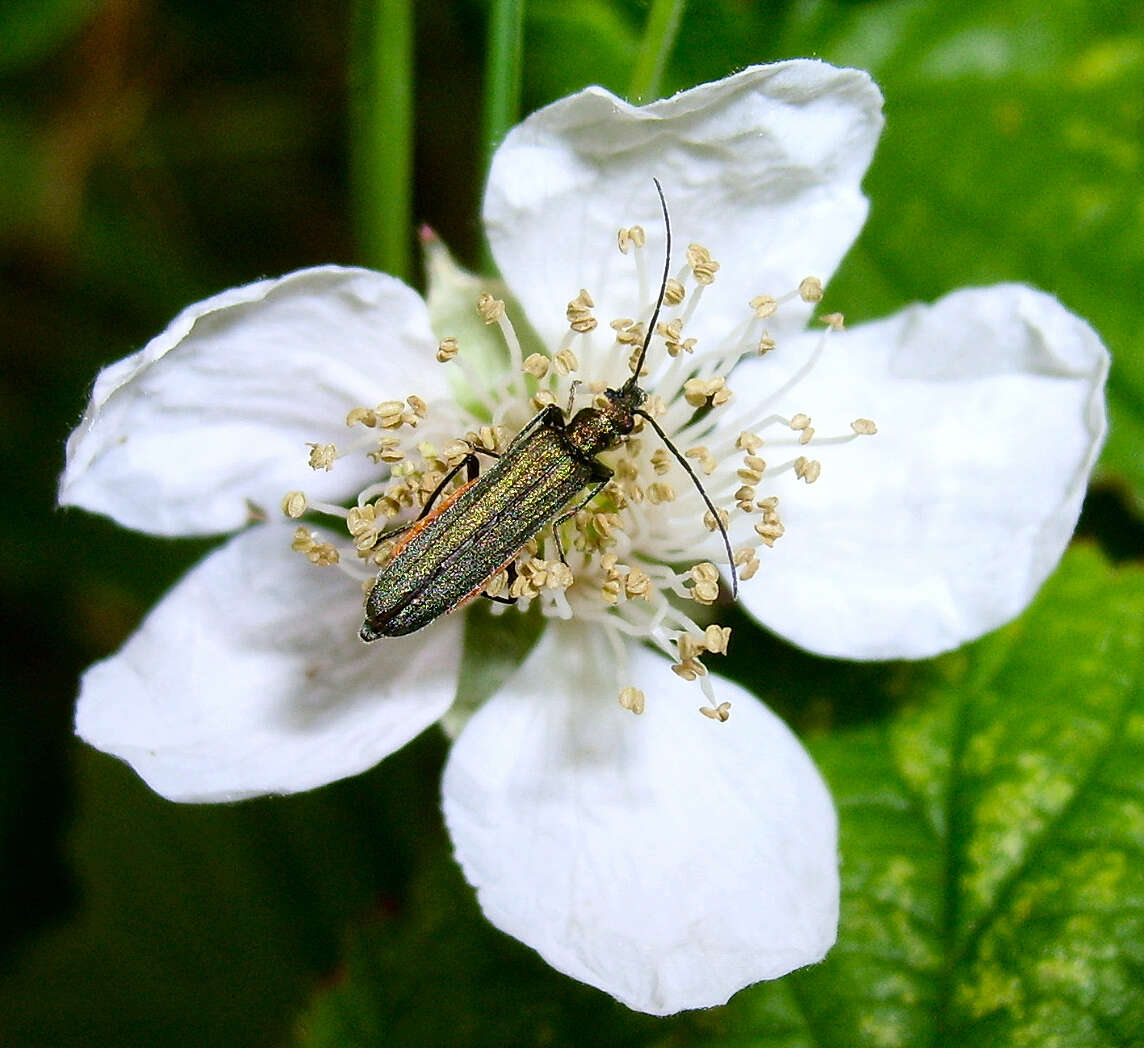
(602, 475)
(469, 464)
(510, 571)
(572, 396)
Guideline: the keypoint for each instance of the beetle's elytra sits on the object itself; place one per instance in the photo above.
(452, 551)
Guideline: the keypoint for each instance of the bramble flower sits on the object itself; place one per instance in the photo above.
(888, 491)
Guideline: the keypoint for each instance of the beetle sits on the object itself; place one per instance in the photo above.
(451, 552)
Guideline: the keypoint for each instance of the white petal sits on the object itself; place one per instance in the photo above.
(249, 678)
(217, 410)
(942, 526)
(763, 168)
(667, 859)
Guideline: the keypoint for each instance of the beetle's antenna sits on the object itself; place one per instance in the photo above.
(635, 377)
(702, 494)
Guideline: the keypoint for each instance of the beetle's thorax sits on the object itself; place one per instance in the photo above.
(596, 429)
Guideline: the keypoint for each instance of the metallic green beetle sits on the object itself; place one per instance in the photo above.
(449, 554)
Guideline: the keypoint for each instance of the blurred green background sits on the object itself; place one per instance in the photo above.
(153, 152)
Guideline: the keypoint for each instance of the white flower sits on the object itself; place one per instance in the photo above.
(666, 858)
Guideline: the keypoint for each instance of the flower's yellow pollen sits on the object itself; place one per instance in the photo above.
(321, 553)
(720, 713)
(565, 362)
(863, 427)
(420, 408)
(674, 292)
(544, 398)
(834, 321)
(800, 421)
(632, 699)
(717, 638)
(747, 561)
(322, 456)
(807, 469)
(536, 365)
(294, 504)
(810, 289)
(660, 461)
(559, 576)
(764, 306)
(704, 457)
(748, 441)
(704, 582)
(709, 521)
(703, 266)
(752, 469)
(766, 344)
(629, 332)
(699, 392)
(659, 492)
(631, 237)
(447, 349)
(491, 310)
(579, 313)
(689, 669)
(361, 417)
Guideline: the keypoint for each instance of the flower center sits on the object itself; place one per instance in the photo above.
(628, 554)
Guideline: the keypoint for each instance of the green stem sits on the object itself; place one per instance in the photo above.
(658, 40)
(502, 86)
(382, 133)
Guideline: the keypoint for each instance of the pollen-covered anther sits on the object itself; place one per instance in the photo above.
(388, 450)
(766, 344)
(490, 310)
(294, 504)
(721, 713)
(703, 266)
(447, 349)
(807, 469)
(322, 456)
(565, 362)
(544, 398)
(752, 469)
(673, 292)
(703, 455)
(709, 520)
(559, 576)
(361, 417)
(536, 365)
(801, 425)
(659, 492)
(321, 553)
(748, 441)
(864, 427)
(579, 313)
(660, 462)
(705, 583)
(745, 497)
(764, 306)
(672, 334)
(497, 584)
(630, 237)
(747, 561)
(770, 531)
(417, 405)
(717, 638)
(834, 321)
(361, 522)
(688, 646)
(392, 414)
(632, 699)
(638, 584)
(699, 392)
(810, 289)
(689, 669)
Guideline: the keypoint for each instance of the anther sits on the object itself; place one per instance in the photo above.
(766, 344)
(565, 361)
(632, 699)
(294, 504)
(635, 236)
(717, 638)
(689, 669)
(748, 441)
(807, 469)
(702, 264)
(709, 521)
(721, 713)
(579, 313)
(673, 292)
(764, 306)
(834, 321)
(706, 460)
(810, 289)
(863, 427)
(660, 462)
(705, 583)
(490, 310)
(536, 365)
(322, 456)
(447, 349)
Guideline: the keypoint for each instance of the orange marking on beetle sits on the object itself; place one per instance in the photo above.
(420, 525)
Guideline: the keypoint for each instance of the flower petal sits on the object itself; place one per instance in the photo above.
(763, 168)
(667, 859)
(942, 526)
(249, 678)
(216, 411)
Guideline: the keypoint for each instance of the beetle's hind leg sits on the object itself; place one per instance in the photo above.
(602, 475)
(472, 467)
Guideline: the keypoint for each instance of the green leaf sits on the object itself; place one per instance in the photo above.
(1013, 151)
(33, 29)
(992, 837)
(209, 924)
